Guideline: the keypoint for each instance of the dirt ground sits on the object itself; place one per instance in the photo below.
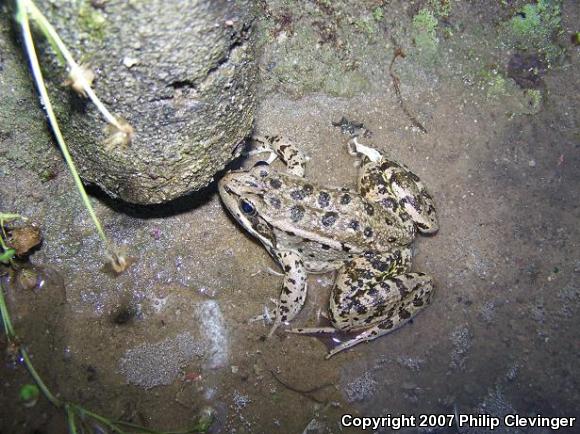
(489, 124)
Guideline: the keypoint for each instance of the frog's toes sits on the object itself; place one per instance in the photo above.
(311, 330)
(356, 148)
(273, 329)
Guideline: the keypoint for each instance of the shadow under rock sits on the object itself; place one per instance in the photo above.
(180, 205)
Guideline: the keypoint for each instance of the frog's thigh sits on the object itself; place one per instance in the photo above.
(294, 287)
(397, 301)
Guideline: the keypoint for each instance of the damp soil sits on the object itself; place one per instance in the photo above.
(172, 334)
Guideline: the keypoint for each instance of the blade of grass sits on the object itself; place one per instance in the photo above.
(44, 389)
(6, 322)
(50, 33)
(70, 418)
(24, 7)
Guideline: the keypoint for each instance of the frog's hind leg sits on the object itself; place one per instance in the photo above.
(414, 291)
(400, 191)
(290, 155)
(294, 288)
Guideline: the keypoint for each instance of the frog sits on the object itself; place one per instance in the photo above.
(363, 234)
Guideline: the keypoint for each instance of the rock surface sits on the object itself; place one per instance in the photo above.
(182, 76)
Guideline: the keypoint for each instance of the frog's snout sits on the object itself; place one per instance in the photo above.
(238, 183)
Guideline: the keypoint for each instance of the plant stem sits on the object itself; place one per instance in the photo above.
(72, 411)
(70, 418)
(24, 8)
(51, 34)
(54, 400)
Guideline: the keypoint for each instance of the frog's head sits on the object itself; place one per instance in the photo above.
(242, 192)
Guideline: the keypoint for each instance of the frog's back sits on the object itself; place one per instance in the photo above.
(335, 218)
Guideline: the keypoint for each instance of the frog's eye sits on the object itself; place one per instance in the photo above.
(247, 207)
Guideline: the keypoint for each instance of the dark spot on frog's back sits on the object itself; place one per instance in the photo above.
(345, 199)
(368, 232)
(361, 309)
(307, 189)
(354, 224)
(297, 194)
(369, 209)
(404, 314)
(345, 247)
(296, 213)
(379, 265)
(323, 199)
(275, 183)
(386, 325)
(275, 202)
(329, 219)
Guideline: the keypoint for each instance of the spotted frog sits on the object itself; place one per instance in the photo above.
(363, 234)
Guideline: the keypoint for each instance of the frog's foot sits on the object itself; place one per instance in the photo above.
(367, 335)
(356, 148)
(312, 330)
(266, 317)
(290, 155)
(294, 288)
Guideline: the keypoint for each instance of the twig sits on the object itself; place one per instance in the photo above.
(396, 84)
(307, 393)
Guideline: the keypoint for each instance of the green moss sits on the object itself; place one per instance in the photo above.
(440, 8)
(378, 14)
(367, 26)
(535, 27)
(425, 21)
(92, 21)
(534, 97)
(302, 65)
(492, 82)
(424, 33)
(508, 94)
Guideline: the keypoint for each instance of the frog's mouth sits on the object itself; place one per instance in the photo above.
(242, 194)
(239, 184)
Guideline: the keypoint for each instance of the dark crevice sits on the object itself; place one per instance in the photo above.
(180, 84)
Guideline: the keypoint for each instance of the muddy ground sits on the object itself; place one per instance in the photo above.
(491, 126)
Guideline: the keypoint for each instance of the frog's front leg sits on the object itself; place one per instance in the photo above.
(294, 288)
(290, 155)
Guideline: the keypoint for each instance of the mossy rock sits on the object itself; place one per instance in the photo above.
(535, 27)
(424, 34)
(181, 73)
